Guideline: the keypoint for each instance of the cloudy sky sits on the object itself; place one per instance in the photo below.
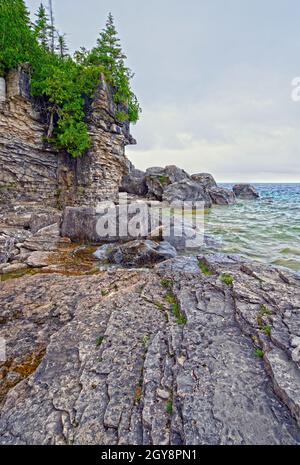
(213, 78)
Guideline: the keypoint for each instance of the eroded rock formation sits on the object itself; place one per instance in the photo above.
(31, 170)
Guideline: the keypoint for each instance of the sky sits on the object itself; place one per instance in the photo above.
(213, 78)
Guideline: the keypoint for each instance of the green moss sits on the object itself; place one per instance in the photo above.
(204, 268)
(163, 179)
(267, 329)
(226, 279)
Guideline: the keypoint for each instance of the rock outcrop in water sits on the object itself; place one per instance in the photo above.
(245, 191)
(179, 354)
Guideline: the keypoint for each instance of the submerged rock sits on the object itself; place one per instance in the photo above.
(245, 191)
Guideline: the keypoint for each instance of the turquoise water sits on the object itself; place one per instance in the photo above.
(267, 229)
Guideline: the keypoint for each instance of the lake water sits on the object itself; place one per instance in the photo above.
(267, 229)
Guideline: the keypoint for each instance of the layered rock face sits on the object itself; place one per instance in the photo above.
(33, 171)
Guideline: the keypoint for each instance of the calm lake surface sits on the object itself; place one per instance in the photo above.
(267, 229)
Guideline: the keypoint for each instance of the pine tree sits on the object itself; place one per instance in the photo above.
(52, 27)
(17, 43)
(42, 27)
(62, 47)
(108, 51)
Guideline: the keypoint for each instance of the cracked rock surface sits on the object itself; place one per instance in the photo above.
(177, 354)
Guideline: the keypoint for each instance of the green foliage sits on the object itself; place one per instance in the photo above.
(17, 41)
(259, 353)
(204, 268)
(99, 340)
(108, 53)
(169, 407)
(167, 283)
(226, 279)
(264, 310)
(65, 83)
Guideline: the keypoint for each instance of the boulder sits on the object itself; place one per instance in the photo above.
(186, 191)
(136, 253)
(7, 245)
(42, 220)
(221, 196)
(205, 179)
(245, 191)
(46, 239)
(158, 178)
(134, 183)
(110, 223)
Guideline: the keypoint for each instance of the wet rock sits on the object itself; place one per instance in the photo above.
(205, 179)
(222, 196)
(136, 253)
(186, 191)
(245, 191)
(39, 259)
(13, 268)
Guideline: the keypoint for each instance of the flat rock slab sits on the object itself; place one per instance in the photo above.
(163, 356)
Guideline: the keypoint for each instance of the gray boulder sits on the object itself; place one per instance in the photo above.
(157, 179)
(7, 245)
(134, 183)
(136, 253)
(221, 196)
(186, 191)
(245, 191)
(42, 220)
(206, 179)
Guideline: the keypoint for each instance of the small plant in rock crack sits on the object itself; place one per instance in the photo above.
(169, 407)
(267, 329)
(226, 279)
(264, 310)
(259, 353)
(170, 298)
(138, 394)
(146, 340)
(104, 292)
(180, 318)
(99, 340)
(204, 268)
(167, 283)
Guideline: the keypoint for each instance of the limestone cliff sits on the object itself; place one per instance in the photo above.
(31, 170)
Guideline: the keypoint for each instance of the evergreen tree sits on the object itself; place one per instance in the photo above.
(108, 51)
(42, 27)
(62, 47)
(17, 43)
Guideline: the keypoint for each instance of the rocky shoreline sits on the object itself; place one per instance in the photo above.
(169, 349)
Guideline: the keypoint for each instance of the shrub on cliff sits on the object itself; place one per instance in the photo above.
(64, 81)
